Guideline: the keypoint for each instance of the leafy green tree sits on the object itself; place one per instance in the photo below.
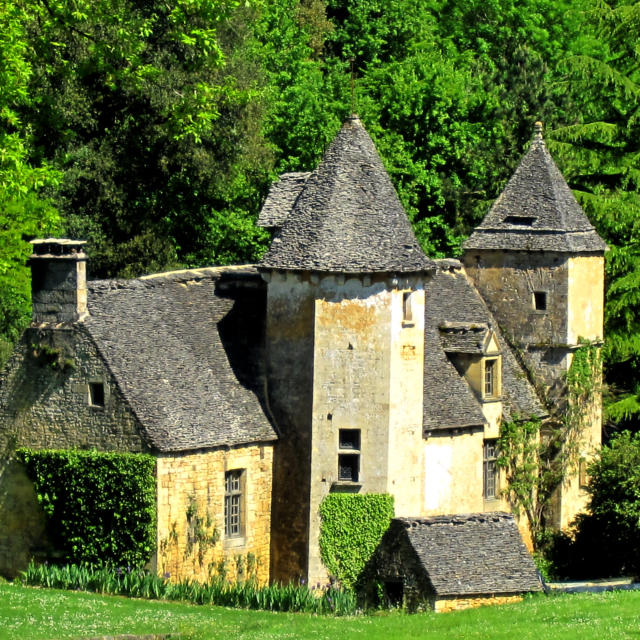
(598, 148)
(149, 111)
(23, 209)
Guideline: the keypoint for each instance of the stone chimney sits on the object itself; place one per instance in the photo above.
(58, 281)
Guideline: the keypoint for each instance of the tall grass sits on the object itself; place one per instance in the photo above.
(139, 583)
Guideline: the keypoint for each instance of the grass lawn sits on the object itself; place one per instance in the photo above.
(28, 613)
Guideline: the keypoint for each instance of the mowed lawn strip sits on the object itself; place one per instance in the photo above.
(44, 614)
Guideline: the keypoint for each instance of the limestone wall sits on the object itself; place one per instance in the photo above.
(444, 605)
(191, 536)
(45, 401)
(22, 520)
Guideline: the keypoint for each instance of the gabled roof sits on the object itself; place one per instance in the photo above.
(348, 218)
(185, 350)
(453, 301)
(281, 198)
(536, 211)
(471, 554)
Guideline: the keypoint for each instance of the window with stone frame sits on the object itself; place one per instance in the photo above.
(491, 373)
(348, 455)
(234, 503)
(490, 469)
(540, 300)
(407, 310)
(96, 394)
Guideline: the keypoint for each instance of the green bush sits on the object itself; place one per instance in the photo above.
(351, 528)
(100, 507)
(605, 541)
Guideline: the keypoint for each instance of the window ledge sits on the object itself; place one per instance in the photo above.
(346, 486)
(236, 541)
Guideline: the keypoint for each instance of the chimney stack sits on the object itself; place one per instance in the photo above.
(58, 281)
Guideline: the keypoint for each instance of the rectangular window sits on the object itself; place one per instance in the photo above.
(490, 371)
(407, 313)
(540, 300)
(349, 455)
(233, 521)
(490, 469)
(96, 394)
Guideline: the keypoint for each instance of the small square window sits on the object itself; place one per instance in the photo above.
(349, 439)
(96, 394)
(540, 300)
(348, 467)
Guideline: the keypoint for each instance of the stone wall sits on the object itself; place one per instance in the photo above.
(22, 520)
(45, 399)
(191, 490)
(444, 605)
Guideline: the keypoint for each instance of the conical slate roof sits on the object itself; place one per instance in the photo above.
(536, 211)
(348, 218)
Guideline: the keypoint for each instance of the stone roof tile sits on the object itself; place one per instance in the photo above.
(186, 351)
(281, 198)
(348, 218)
(536, 211)
(471, 554)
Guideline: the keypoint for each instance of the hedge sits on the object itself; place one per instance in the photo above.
(100, 507)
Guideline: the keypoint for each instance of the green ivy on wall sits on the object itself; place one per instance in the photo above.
(100, 507)
(351, 528)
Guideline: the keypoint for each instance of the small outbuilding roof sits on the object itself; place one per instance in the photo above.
(536, 211)
(185, 349)
(347, 217)
(470, 554)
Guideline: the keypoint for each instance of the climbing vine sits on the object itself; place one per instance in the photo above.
(537, 458)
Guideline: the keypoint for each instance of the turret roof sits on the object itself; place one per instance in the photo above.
(536, 211)
(348, 217)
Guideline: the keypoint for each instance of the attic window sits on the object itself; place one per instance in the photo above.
(491, 378)
(96, 394)
(522, 221)
(540, 300)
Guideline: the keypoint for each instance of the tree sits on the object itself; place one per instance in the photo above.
(598, 148)
(23, 209)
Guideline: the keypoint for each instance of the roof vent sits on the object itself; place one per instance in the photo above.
(521, 221)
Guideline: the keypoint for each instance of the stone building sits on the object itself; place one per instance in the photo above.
(346, 360)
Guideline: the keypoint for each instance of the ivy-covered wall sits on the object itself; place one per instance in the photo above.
(352, 526)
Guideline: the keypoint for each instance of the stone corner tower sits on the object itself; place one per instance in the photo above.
(345, 344)
(539, 265)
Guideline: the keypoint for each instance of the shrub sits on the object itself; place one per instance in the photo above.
(100, 507)
(606, 540)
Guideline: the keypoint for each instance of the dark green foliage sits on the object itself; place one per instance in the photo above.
(100, 507)
(351, 528)
(137, 583)
(606, 539)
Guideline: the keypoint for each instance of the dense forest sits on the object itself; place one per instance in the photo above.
(154, 129)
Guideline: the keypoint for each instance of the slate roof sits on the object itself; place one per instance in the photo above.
(452, 300)
(281, 197)
(471, 554)
(464, 337)
(185, 349)
(536, 211)
(348, 218)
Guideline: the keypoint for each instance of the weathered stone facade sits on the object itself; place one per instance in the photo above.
(45, 400)
(192, 542)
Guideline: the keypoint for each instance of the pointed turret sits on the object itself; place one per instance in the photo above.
(536, 211)
(348, 218)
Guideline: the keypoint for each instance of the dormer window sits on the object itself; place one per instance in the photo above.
(521, 221)
(491, 378)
